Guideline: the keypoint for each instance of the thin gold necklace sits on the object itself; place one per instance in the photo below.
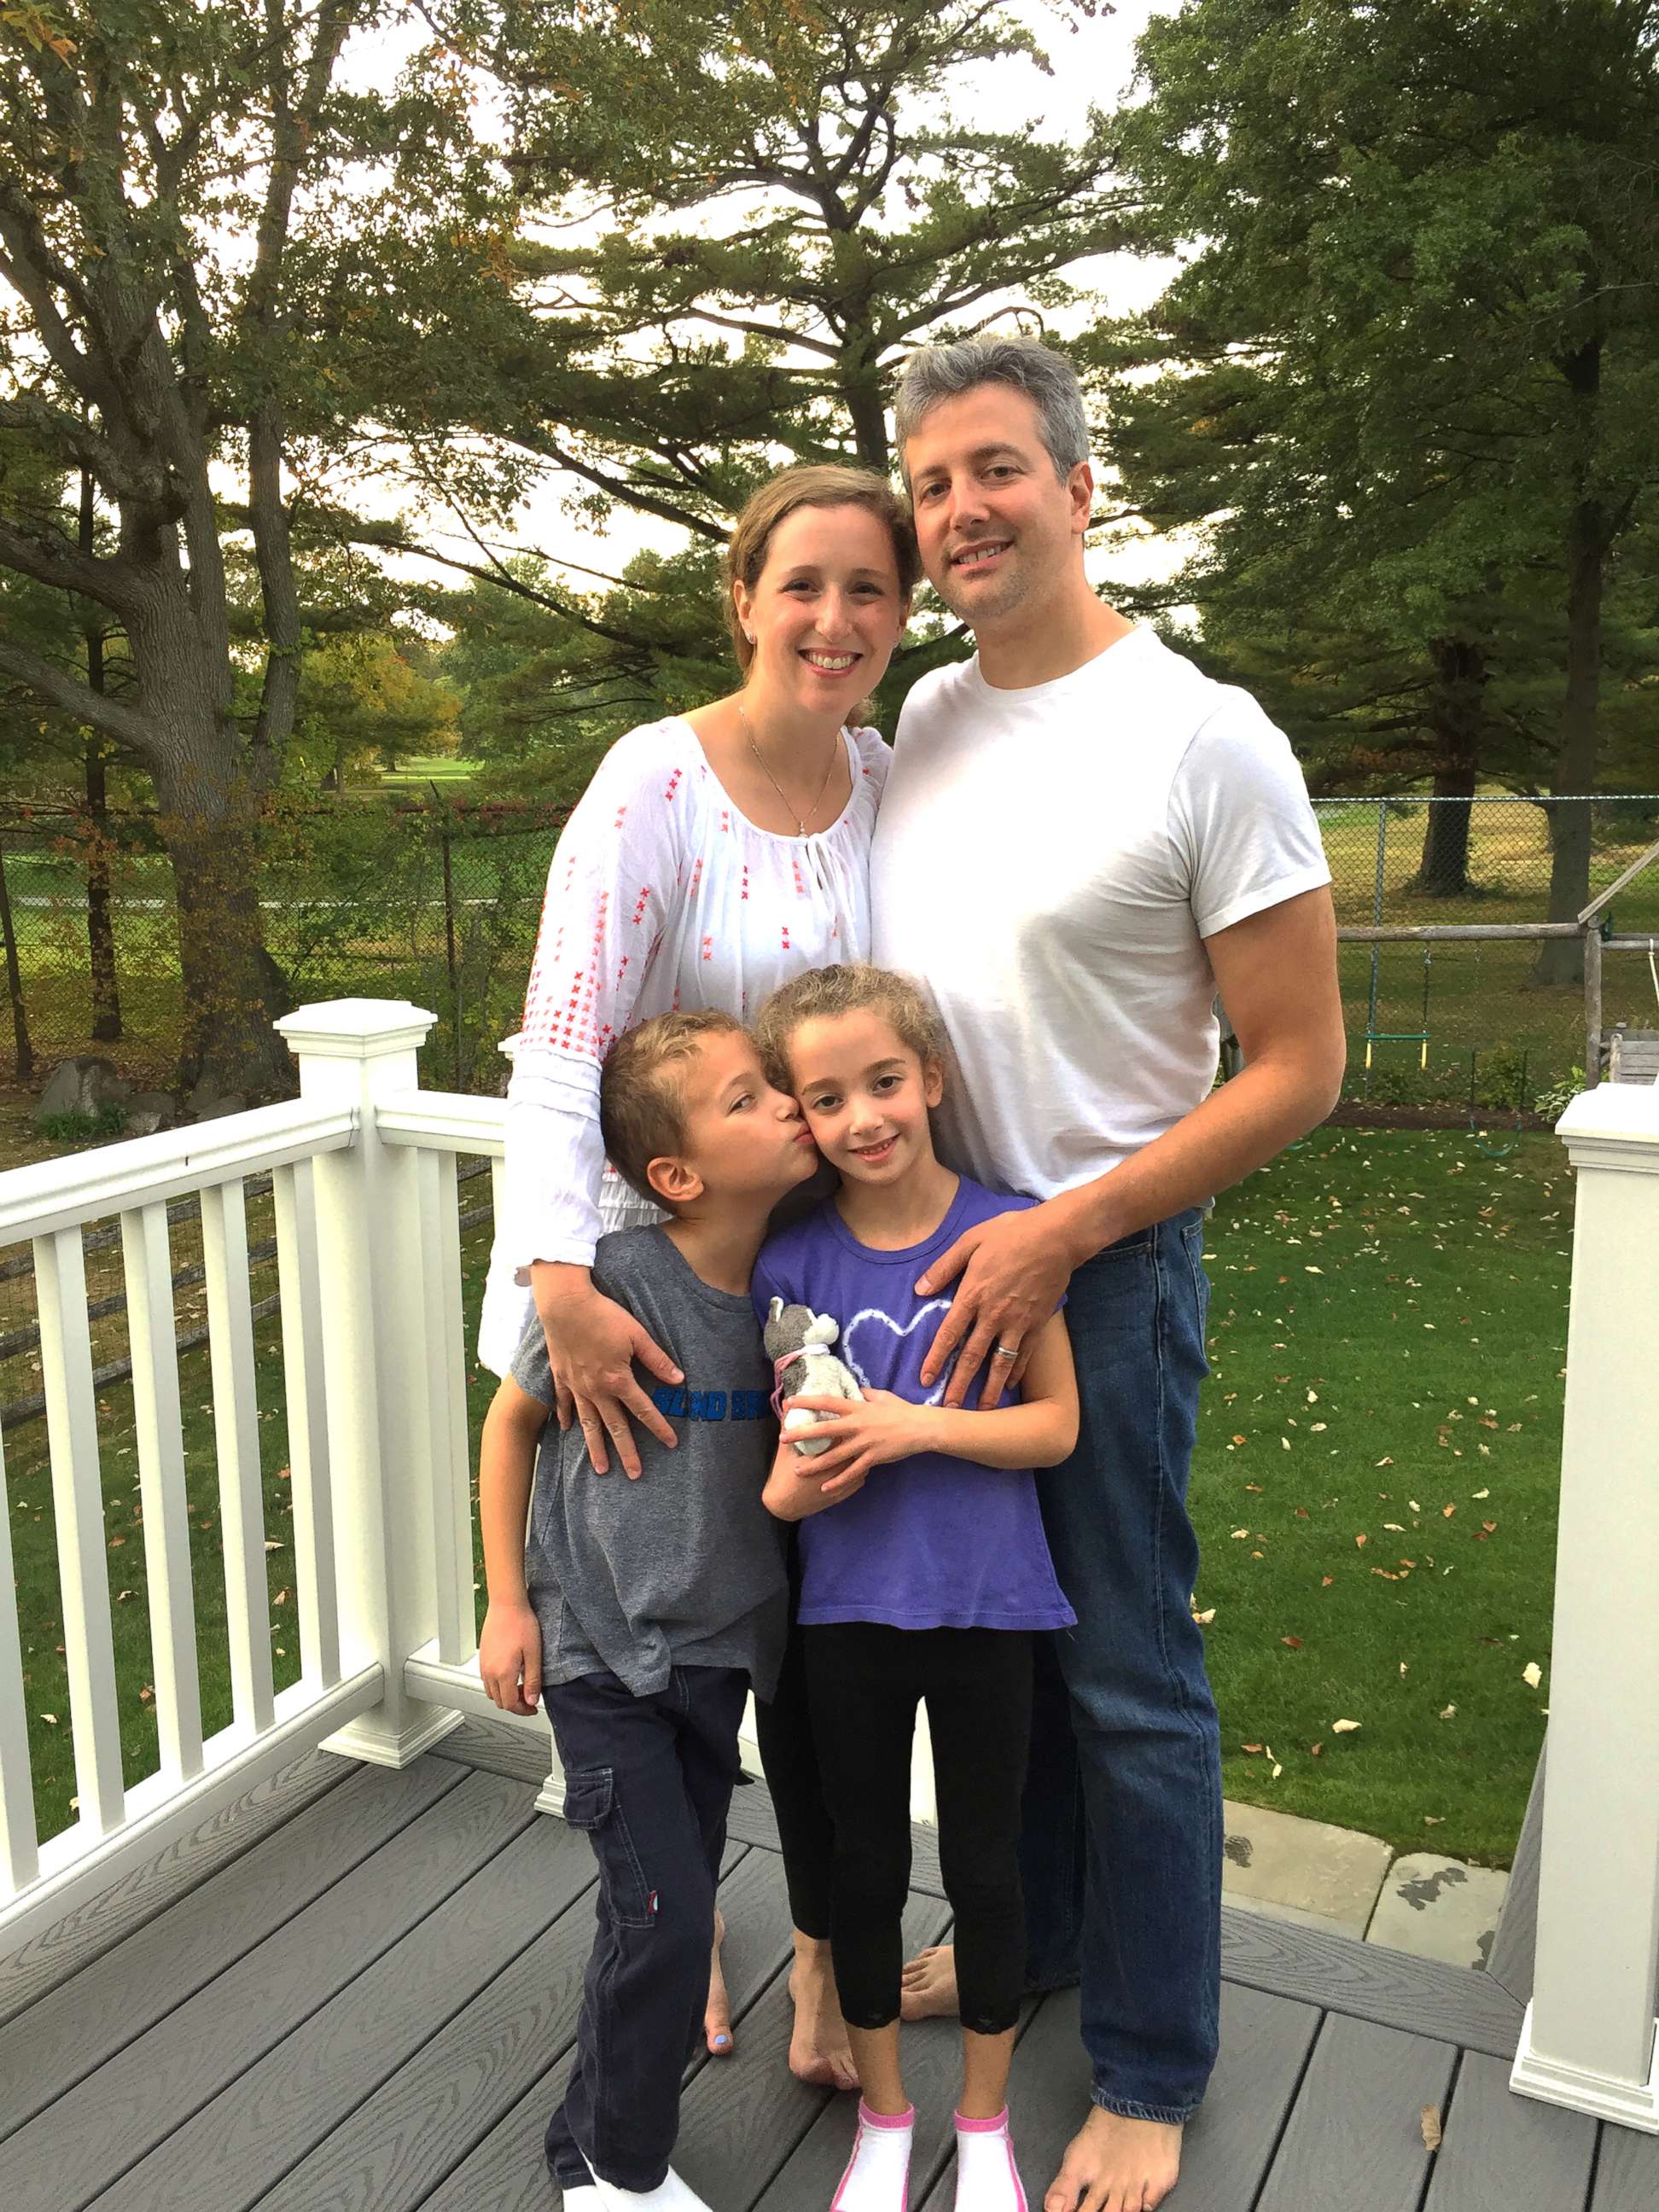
(789, 803)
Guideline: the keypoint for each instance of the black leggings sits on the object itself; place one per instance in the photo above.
(864, 1681)
(789, 1756)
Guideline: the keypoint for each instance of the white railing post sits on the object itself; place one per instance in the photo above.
(372, 1270)
(1588, 2039)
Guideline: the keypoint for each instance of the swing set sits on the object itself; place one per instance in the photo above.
(1421, 1038)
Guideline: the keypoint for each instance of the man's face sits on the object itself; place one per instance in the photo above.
(999, 531)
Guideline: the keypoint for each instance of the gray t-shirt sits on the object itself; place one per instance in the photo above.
(685, 1567)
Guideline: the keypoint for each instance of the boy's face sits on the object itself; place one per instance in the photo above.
(743, 1138)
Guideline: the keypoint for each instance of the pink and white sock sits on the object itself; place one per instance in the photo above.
(877, 2176)
(987, 2180)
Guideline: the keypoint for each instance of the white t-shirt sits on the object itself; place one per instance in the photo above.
(660, 895)
(1048, 862)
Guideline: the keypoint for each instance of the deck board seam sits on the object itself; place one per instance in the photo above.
(1290, 2105)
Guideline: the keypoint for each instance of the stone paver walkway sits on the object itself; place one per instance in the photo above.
(1351, 1883)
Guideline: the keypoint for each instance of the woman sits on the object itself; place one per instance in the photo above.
(714, 856)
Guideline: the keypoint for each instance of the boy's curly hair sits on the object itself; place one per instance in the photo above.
(642, 1092)
(852, 988)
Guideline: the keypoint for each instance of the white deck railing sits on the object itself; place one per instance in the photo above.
(368, 1257)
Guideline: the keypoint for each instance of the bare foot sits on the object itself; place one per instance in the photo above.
(717, 2014)
(1116, 2165)
(819, 2050)
(929, 1990)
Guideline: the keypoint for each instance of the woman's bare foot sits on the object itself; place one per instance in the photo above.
(929, 1990)
(819, 2050)
(1116, 2165)
(717, 2014)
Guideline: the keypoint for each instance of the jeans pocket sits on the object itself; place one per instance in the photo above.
(590, 1804)
(1193, 1239)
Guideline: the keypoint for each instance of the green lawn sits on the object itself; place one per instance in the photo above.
(1376, 1478)
(1387, 1330)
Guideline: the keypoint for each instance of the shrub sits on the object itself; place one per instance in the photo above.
(77, 1129)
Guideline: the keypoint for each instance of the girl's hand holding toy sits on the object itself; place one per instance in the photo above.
(872, 1432)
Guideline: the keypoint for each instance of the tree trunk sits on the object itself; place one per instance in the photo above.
(1456, 718)
(232, 990)
(100, 929)
(20, 1026)
(1561, 960)
(100, 925)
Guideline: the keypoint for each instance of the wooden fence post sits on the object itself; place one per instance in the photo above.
(372, 1270)
(1588, 2038)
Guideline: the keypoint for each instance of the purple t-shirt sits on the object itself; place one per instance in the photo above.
(930, 1541)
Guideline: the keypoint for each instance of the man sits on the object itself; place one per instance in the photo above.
(1082, 841)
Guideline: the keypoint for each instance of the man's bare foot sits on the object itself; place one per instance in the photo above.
(928, 1989)
(717, 2014)
(819, 2053)
(1116, 2165)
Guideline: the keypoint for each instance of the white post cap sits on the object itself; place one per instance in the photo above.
(355, 1029)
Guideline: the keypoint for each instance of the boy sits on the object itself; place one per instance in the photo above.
(645, 1611)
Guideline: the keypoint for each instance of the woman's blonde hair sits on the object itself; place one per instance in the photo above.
(812, 484)
(855, 987)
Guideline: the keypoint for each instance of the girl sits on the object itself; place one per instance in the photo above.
(924, 1571)
(714, 855)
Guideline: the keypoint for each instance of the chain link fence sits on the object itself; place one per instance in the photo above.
(438, 902)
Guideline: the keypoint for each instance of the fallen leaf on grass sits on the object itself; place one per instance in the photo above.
(1446, 1512)
(1446, 1711)
(1252, 1748)
(1343, 1727)
(1360, 1542)
(1315, 1750)
(1532, 1673)
(1303, 1514)
(1292, 1643)
(1431, 2127)
(1434, 1820)
(1385, 1463)
(1325, 1581)
(147, 1694)
(1204, 1618)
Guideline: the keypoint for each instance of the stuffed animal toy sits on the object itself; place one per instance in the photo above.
(798, 1341)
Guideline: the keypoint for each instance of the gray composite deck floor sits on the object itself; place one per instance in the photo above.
(360, 1992)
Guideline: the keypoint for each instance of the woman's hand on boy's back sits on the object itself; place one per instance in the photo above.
(510, 1658)
(593, 1344)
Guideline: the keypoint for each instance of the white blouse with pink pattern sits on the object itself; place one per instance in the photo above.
(661, 896)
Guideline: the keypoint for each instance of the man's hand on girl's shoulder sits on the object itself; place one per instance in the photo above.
(1014, 1269)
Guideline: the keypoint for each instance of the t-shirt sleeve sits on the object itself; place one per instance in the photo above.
(773, 1277)
(531, 1369)
(1239, 816)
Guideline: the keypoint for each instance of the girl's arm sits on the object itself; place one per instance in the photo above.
(1040, 1432)
(510, 1643)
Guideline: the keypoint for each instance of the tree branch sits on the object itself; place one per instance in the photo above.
(51, 560)
(75, 698)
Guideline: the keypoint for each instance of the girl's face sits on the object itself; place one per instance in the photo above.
(826, 610)
(865, 1095)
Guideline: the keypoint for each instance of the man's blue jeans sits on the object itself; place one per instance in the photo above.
(1121, 1846)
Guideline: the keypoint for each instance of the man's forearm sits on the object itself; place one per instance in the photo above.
(1235, 1130)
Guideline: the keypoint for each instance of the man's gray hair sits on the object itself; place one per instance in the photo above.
(936, 373)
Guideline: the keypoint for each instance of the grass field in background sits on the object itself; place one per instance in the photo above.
(1376, 1478)
(386, 939)
(1387, 1330)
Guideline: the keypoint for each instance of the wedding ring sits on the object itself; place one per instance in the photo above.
(1008, 1352)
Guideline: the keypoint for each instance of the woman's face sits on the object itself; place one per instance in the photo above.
(826, 610)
